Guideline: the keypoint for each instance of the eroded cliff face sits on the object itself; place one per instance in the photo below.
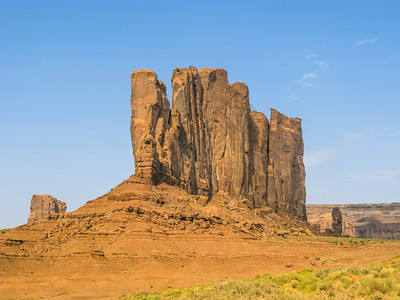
(44, 205)
(210, 141)
(286, 172)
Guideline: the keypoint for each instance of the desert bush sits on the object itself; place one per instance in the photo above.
(355, 270)
(375, 282)
(372, 285)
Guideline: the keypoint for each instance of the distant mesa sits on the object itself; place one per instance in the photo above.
(44, 205)
(210, 141)
(373, 221)
(328, 220)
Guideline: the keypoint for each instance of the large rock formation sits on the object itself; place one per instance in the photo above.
(44, 205)
(210, 141)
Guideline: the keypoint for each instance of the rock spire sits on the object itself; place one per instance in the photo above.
(210, 141)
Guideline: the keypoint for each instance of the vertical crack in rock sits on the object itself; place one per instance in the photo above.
(210, 141)
(258, 158)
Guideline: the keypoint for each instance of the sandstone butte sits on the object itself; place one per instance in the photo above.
(218, 194)
(210, 141)
(44, 205)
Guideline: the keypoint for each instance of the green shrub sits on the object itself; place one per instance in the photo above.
(375, 282)
(371, 286)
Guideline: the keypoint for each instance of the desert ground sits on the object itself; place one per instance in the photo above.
(144, 238)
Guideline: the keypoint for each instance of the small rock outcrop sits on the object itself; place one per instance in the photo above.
(43, 205)
(210, 141)
(349, 230)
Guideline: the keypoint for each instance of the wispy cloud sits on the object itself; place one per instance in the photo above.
(304, 83)
(306, 79)
(310, 76)
(350, 137)
(322, 65)
(376, 174)
(318, 157)
(366, 41)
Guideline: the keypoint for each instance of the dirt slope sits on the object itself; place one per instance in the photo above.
(141, 237)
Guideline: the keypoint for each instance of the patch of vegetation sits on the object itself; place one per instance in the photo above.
(379, 281)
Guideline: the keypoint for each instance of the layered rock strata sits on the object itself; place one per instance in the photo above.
(44, 205)
(210, 141)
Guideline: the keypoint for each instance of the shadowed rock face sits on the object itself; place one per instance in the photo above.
(337, 223)
(44, 205)
(210, 141)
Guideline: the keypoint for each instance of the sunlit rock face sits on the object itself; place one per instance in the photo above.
(44, 205)
(210, 141)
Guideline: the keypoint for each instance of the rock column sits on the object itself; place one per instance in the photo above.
(211, 142)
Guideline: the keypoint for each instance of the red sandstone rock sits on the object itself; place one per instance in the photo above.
(43, 205)
(286, 171)
(211, 142)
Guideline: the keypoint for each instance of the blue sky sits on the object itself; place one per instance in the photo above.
(65, 88)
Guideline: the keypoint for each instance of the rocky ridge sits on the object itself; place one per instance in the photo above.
(210, 141)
